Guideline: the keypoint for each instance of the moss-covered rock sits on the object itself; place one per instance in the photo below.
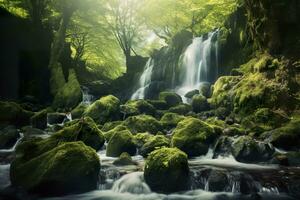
(159, 104)
(141, 138)
(56, 118)
(154, 143)
(171, 98)
(39, 119)
(124, 159)
(143, 123)
(166, 170)
(69, 168)
(8, 137)
(199, 103)
(287, 136)
(170, 120)
(193, 136)
(191, 93)
(121, 142)
(78, 111)
(69, 95)
(181, 109)
(111, 132)
(12, 113)
(110, 125)
(137, 107)
(246, 149)
(205, 90)
(103, 110)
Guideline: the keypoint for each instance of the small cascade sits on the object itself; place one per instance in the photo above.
(12, 149)
(132, 183)
(199, 63)
(87, 98)
(144, 81)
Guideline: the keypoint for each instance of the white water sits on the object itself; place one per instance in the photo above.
(196, 63)
(144, 81)
(12, 149)
(87, 98)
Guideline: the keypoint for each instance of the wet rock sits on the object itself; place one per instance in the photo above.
(199, 103)
(103, 110)
(110, 125)
(13, 113)
(141, 138)
(8, 137)
(159, 104)
(113, 131)
(205, 90)
(78, 111)
(223, 146)
(181, 109)
(56, 118)
(137, 107)
(171, 98)
(217, 181)
(39, 119)
(193, 136)
(124, 159)
(191, 93)
(68, 168)
(167, 170)
(170, 120)
(121, 142)
(153, 143)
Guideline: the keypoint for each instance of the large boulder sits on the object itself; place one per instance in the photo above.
(103, 110)
(56, 118)
(124, 159)
(8, 137)
(13, 113)
(121, 142)
(78, 111)
(159, 104)
(143, 123)
(155, 142)
(69, 95)
(167, 170)
(171, 98)
(141, 138)
(181, 109)
(110, 133)
(246, 149)
(205, 89)
(68, 168)
(39, 119)
(193, 136)
(137, 107)
(199, 103)
(170, 120)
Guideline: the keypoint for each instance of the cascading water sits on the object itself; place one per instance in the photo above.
(197, 63)
(144, 81)
(87, 98)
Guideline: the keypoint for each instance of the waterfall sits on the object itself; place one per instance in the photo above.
(144, 81)
(87, 98)
(197, 61)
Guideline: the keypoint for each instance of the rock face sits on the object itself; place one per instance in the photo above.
(155, 142)
(103, 110)
(12, 113)
(193, 136)
(166, 170)
(143, 123)
(121, 142)
(69, 168)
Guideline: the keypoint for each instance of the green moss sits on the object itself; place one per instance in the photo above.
(170, 120)
(39, 119)
(193, 136)
(154, 143)
(181, 109)
(199, 103)
(104, 109)
(68, 95)
(137, 107)
(124, 159)
(110, 125)
(166, 170)
(69, 168)
(171, 98)
(143, 123)
(78, 111)
(121, 142)
(141, 138)
(111, 132)
(159, 104)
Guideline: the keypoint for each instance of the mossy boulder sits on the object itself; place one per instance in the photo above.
(8, 137)
(121, 142)
(287, 136)
(110, 125)
(246, 149)
(137, 107)
(193, 136)
(68, 168)
(13, 113)
(124, 159)
(56, 118)
(154, 143)
(159, 104)
(181, 109)
(141, 138)
(191, 93)
(78, 111)
(39, 119)
(171, 98)
(199, 103)
(143, 123)
(170, 120)
(205, 90)
(111, 132)
(166, 170)
(69, 95)
(103, 110)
